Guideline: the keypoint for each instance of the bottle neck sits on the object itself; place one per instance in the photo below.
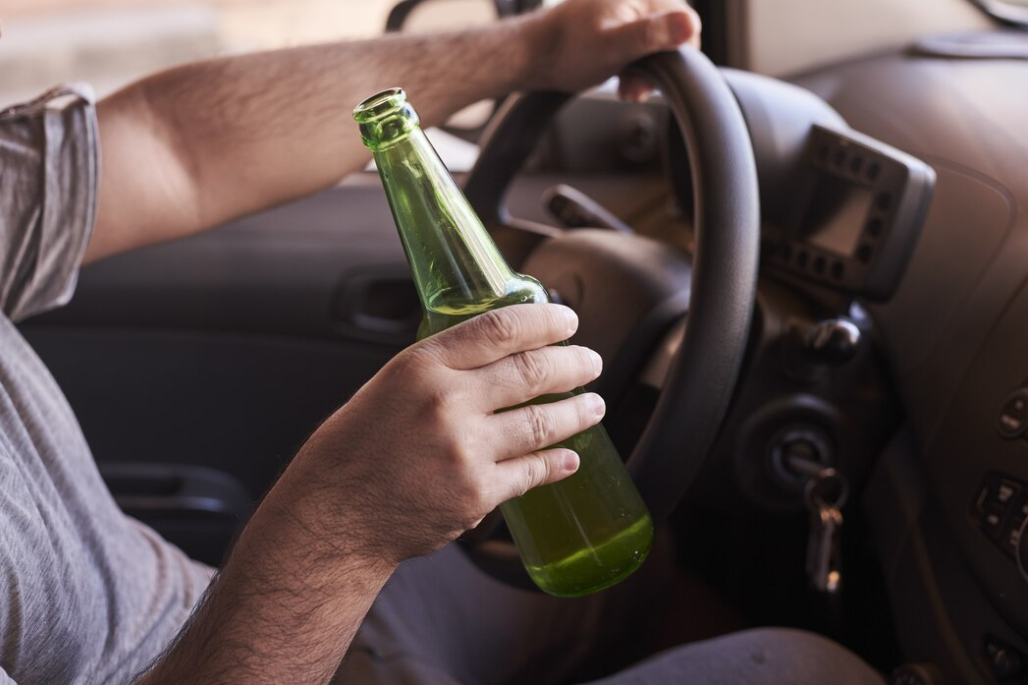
(454, 260)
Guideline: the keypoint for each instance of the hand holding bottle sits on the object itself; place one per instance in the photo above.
(576, 536)
(418, 456)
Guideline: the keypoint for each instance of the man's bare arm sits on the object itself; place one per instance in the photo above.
(285, 607)
(198, 145)
(195, 146)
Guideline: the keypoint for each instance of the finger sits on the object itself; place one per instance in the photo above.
(526, 375)
(658, 32)
(634, 87)
(502, 332)
(696, 28)
(538, 426)
(518, 476)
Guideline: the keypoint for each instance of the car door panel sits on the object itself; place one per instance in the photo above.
(227, 349)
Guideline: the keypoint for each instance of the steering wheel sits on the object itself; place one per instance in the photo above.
(718, 296)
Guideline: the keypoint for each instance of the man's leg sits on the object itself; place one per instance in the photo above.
(767, 656)
(441, 620)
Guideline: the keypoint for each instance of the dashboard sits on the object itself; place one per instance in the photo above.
(841, 209)
(955, 335)
(859, 211)
(908, 196)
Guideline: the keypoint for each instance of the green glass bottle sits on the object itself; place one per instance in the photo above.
(578, 536)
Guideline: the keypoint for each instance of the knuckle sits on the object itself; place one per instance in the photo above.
(501, 326)
(653, 34)
(465, 499)
(443, 434)
(466, 453)
(540, 425)
(402, 364)
(532, 369)
(469, 521)
(437, 401)
(458, 456)
(477, 505)
(471, 501)
(420, 354)
(464, 487)
(417, 365)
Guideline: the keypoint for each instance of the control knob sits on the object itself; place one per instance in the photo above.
(833, 341)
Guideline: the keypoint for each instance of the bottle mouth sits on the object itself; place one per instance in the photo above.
(385, 119)
(379, 105)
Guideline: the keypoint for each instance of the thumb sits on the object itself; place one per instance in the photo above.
(521, 474)
(657, 33)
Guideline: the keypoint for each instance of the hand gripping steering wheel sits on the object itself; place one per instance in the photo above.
(726, 220)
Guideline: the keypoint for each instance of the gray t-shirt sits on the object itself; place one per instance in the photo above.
(87, 595)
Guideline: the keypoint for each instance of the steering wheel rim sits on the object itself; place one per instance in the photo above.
(726, 213)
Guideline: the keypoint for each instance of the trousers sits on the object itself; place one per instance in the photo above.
(442, 621)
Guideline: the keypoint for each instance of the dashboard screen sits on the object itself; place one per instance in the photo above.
(836, 216)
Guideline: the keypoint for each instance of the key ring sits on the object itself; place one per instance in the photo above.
(817, 491)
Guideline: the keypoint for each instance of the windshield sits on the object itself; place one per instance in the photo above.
(109, 43)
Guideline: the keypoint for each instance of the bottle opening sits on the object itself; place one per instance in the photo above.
(385, 118)
(379, 105)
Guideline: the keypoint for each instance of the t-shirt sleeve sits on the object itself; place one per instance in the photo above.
(49, 181)
(6, 679)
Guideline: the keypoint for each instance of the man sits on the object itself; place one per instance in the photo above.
(89, 596)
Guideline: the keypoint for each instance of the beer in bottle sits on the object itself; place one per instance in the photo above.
(590, 530)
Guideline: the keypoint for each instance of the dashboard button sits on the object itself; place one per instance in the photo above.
(985, 493)
(1013, 416)
(996, 493)
(1006, 491)
(1012, 535)
(992, 522)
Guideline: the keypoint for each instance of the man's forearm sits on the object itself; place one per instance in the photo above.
(201, 144)
(287, 604)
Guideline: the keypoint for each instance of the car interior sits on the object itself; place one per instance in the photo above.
(806, 269)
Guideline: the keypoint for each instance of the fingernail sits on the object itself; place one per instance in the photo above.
(597, 361)
(597, 404)
(572, 320)
(571, 462)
